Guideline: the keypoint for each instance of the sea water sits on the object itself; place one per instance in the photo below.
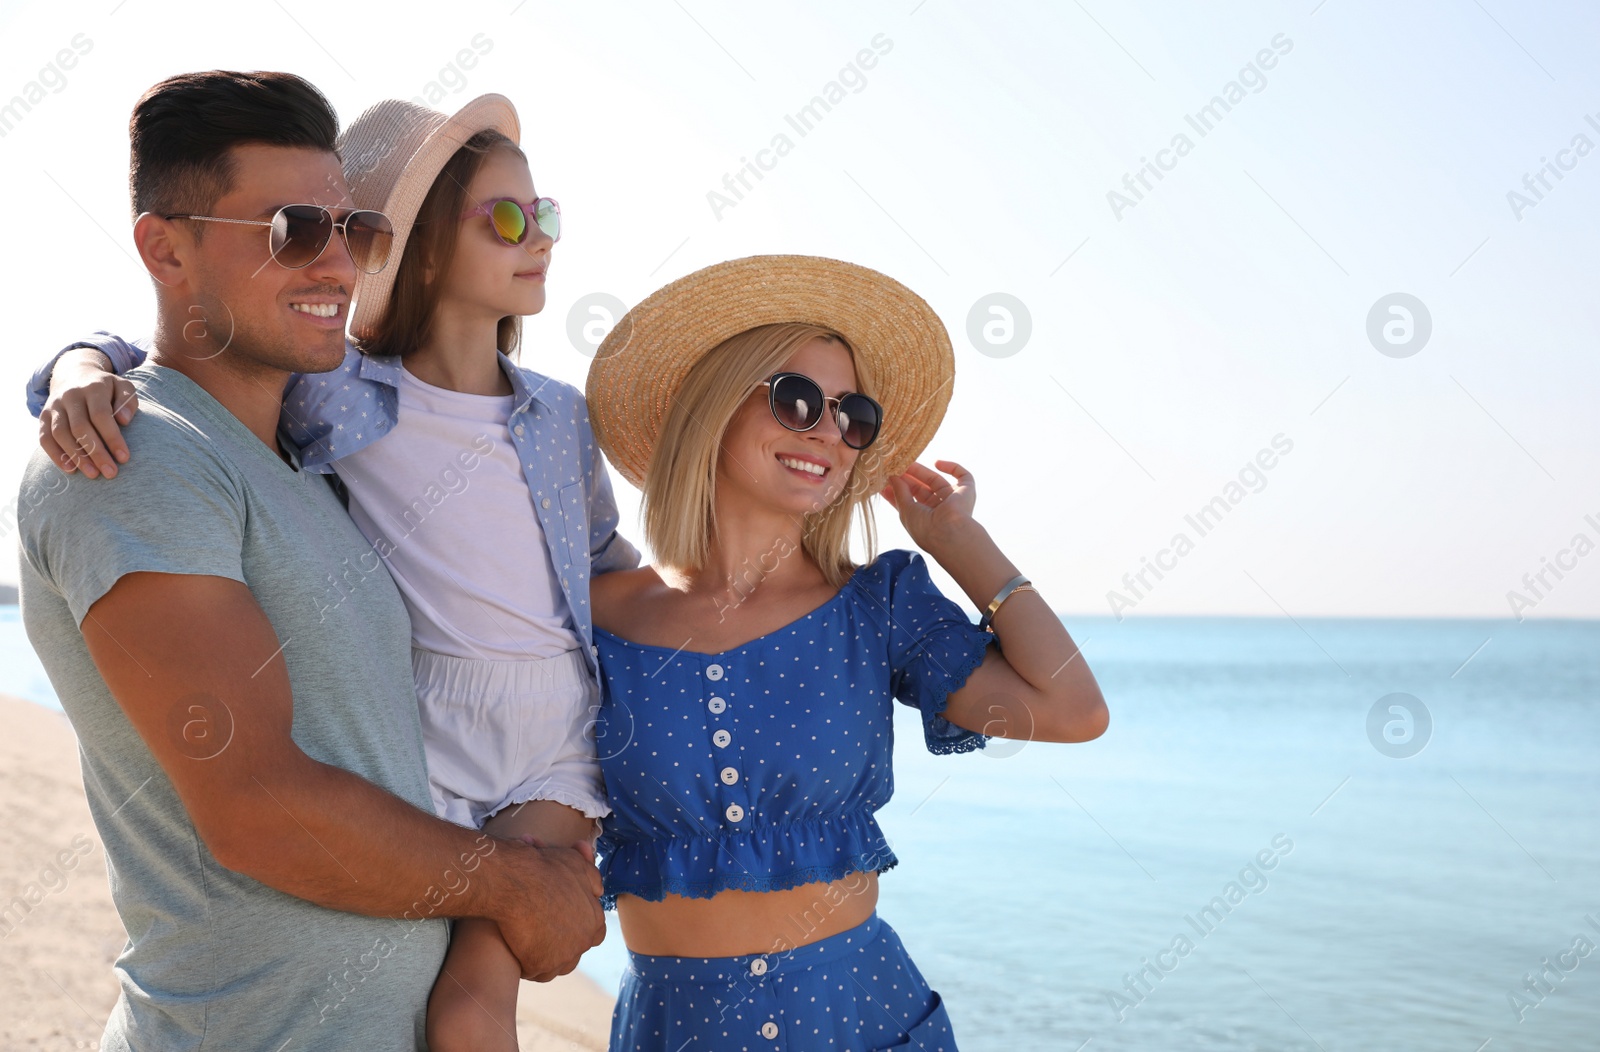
(1249, 858)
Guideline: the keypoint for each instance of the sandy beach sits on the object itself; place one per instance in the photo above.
(59, 932)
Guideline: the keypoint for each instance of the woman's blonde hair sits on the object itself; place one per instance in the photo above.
(680, 486)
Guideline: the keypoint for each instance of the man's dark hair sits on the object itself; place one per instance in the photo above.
(183, 129)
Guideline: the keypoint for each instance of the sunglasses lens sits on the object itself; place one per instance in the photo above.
(299, 234)
(548, 215)
(859, 420)
(370, 236)
(797, 403)
(510, 222)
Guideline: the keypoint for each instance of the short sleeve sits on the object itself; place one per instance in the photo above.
(174, 508)
(934, 647)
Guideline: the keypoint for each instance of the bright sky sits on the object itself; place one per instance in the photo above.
(1174, 333)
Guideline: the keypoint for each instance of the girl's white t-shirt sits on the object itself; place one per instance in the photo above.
(443, 500)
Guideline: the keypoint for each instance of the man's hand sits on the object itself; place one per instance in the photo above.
(552, 918)
(78, 426)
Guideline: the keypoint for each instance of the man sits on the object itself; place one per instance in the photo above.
(252, 757)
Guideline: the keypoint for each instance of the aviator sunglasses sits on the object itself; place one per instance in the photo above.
(300, 233)
(797, 402)
(509, 217)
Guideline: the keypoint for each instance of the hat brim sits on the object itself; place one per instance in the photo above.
(643, 360)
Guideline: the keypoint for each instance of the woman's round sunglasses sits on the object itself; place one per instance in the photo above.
(299, 233)
(797, 402)
(509, 217)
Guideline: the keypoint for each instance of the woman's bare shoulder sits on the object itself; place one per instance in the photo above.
(615, 594)
(624, 582)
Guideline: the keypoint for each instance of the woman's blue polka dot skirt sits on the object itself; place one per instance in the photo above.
(857, 991)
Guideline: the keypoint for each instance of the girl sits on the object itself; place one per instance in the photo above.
(760, 403)
(477, 483)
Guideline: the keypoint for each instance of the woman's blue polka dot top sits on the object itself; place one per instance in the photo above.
(761, 767)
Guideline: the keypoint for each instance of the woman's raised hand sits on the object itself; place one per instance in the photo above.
(933, 508)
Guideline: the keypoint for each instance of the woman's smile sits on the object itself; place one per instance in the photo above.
(812, 468)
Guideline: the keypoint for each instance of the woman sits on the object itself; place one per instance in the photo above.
(746, 719)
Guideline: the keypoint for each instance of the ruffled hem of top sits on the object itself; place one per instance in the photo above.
(773, 857)
(942, 736)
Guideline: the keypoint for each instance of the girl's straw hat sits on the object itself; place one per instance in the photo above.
(392, 154)
(644, 359)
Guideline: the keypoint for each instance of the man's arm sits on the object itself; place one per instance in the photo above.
(168, 643)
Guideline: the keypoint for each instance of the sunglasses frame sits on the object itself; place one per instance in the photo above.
(339, 225)
(529, 210)
(772, 403)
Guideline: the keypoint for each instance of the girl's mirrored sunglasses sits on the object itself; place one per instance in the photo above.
(509, 218)
(299, 233)
(797, 402)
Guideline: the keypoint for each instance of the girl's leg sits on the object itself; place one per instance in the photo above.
(553, 824)
(474, 1000)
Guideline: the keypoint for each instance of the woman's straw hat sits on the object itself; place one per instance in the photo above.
(392, 154)
(644, 359)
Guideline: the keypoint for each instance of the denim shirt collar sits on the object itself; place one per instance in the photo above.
(385, 369)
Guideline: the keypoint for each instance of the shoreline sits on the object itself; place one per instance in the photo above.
(59, 932)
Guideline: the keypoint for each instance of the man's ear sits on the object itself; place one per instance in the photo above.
(163, 248)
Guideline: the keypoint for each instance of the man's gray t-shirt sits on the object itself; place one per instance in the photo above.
(216, 959)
